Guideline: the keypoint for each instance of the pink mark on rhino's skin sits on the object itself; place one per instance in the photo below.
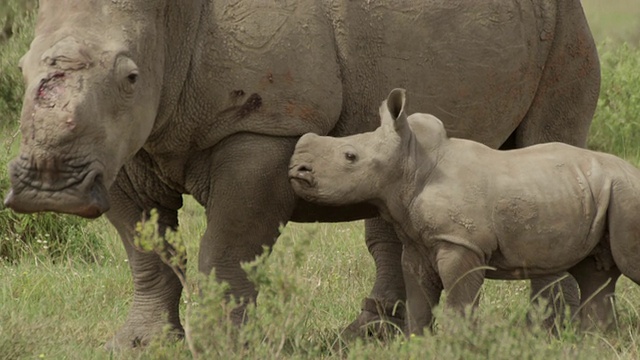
(50, 89)
(71, 124)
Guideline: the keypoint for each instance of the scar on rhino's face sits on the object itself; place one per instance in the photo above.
(50, 89)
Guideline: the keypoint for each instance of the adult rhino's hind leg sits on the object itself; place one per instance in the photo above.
(559, 292)
(562, 111)
(382, 312)
(567, 94)
(424, 288)
(597, 288)
(157, 289)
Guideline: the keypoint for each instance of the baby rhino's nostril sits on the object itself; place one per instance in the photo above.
(302, 174)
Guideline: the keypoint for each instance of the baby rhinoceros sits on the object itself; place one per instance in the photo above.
(465, 211)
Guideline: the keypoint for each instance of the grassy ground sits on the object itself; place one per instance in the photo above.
(65, 305)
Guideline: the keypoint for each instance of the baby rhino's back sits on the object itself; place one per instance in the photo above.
(550, 205)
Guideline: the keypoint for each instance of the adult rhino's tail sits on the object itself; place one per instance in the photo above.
(567, 94)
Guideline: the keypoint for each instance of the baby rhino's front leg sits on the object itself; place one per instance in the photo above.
(423, 288)
(462, 272)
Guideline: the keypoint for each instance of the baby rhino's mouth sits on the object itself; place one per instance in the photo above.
(301, 175)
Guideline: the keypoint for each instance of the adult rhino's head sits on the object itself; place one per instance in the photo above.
(359, 168)
(93, 75)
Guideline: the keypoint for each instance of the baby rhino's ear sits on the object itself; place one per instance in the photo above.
(396, 110)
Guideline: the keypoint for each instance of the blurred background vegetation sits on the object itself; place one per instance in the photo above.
(86, 260)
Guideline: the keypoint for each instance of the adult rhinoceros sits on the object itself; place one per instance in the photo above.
(132, 103)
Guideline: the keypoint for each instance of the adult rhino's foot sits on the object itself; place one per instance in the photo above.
(155, 309)
(378, 319)
(133, 335)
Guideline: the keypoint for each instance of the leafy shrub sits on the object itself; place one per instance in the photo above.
(275, 328)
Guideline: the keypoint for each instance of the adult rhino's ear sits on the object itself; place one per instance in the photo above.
(396, 110)
(21, 62)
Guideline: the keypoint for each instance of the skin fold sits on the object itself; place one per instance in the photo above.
(130, 104)
(466, 212)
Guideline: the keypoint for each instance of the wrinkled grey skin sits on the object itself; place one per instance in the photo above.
(460, 207)
(130, 104)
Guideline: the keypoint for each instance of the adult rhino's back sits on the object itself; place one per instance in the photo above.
(323, 67)
(477, 65)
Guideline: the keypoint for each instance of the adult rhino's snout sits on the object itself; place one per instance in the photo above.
(302, 174)
(51, 185)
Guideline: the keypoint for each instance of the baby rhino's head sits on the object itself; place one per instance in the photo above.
(357, 168)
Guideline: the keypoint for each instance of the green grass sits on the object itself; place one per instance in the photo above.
(311, 283)
(64, 301)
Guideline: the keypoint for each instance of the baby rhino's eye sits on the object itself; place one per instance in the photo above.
(350, 156)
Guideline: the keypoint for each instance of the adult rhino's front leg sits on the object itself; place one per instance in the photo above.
(157, 289)
(383, 310)
(247, 199)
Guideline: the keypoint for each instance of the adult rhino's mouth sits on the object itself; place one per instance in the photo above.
(51, 186)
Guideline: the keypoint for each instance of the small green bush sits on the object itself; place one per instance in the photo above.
(209, 331)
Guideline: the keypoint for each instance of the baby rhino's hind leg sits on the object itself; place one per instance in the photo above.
(624, 228)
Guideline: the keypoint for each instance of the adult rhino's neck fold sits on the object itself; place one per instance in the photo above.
(182, 28)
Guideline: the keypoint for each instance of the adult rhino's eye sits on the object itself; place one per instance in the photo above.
(132, 77)
(350, 156)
